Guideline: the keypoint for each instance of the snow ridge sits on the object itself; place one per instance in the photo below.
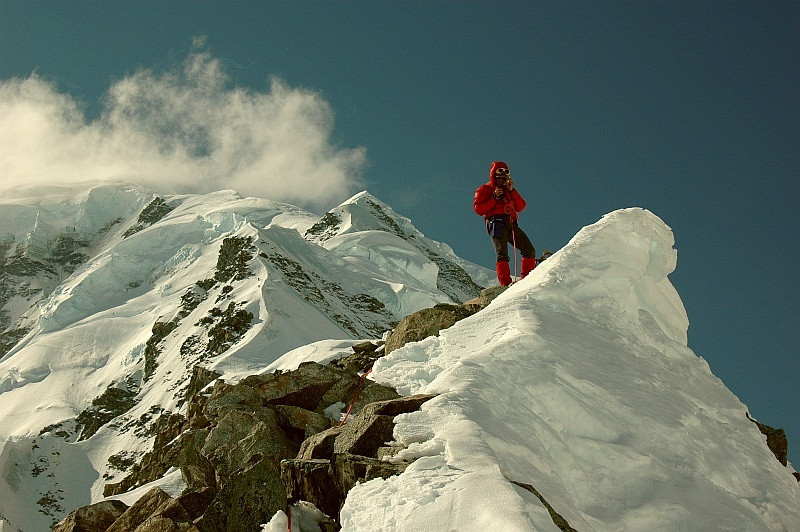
(578, 382)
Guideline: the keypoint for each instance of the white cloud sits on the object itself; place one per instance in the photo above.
(182, 131)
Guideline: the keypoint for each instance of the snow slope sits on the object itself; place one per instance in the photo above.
(576, 381)
(149, 287)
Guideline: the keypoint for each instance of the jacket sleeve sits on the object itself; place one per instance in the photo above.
(484, 200)
(519, 203)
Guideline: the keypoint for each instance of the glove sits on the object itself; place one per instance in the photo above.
(498, 192)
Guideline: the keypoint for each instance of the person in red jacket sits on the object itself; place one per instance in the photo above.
(500, 204)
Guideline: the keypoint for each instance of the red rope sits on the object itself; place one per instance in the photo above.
(358, 389)
(514, 240)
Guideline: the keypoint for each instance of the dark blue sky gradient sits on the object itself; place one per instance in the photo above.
(689, 109)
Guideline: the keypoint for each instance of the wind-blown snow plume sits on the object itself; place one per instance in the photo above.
(185, 130)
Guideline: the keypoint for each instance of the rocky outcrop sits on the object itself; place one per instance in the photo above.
(151, 214)
(95, 518)
(557, 518)
(424, 323)
(428, 322)
(777, 441)
(248, 449)
(486, 296)
(155, 509)
(364, 356)
(229, 446)
(331, 462)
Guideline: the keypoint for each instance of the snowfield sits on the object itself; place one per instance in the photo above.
(575, 387)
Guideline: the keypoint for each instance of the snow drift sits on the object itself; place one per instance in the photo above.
(578, 382)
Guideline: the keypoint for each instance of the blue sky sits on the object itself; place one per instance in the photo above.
(689, 109)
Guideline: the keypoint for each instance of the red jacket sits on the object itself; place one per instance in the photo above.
(486, 205)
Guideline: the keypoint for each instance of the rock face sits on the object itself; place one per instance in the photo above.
(428, 322)
(249, 449)
(95, 518)
(364, 356)
(777, 441)
(424, 323)
(229, 447)
(331, 462)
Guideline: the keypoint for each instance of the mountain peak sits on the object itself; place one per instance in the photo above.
(403, 245)
(364, 195)
(362, 212)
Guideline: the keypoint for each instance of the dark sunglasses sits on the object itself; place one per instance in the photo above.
(502, 172)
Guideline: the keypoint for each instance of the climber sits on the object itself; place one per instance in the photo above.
(499, 203)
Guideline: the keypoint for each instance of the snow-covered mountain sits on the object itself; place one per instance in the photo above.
(110, 296)
(574, 387)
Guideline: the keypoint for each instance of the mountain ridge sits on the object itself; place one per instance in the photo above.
(181, 280)
(247, 286)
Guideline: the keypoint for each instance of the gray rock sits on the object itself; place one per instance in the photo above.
(424, 323)
(364, 347)
(196, 502)
(141, 510)
(156, 463)
(483, 300)
(320, 445)
(250, 497)
(350, 469)
(388, 452)
(303, 387)
(93, 518)
(238, 435)
(301, 421)
(367, 431)
(777, 441)
(158, 523)
(197, 471)
(342, 391)
(363, 357)
(325, 483)
(226, 397)
(331, 462)
(200, 378)
(268, 441)
(372, 392)
(173, 511)
(364, 435)
(312, 481)
(395, 407)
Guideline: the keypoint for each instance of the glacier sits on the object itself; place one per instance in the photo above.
(575, 387)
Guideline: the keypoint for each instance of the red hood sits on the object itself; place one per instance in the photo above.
(495, 166)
